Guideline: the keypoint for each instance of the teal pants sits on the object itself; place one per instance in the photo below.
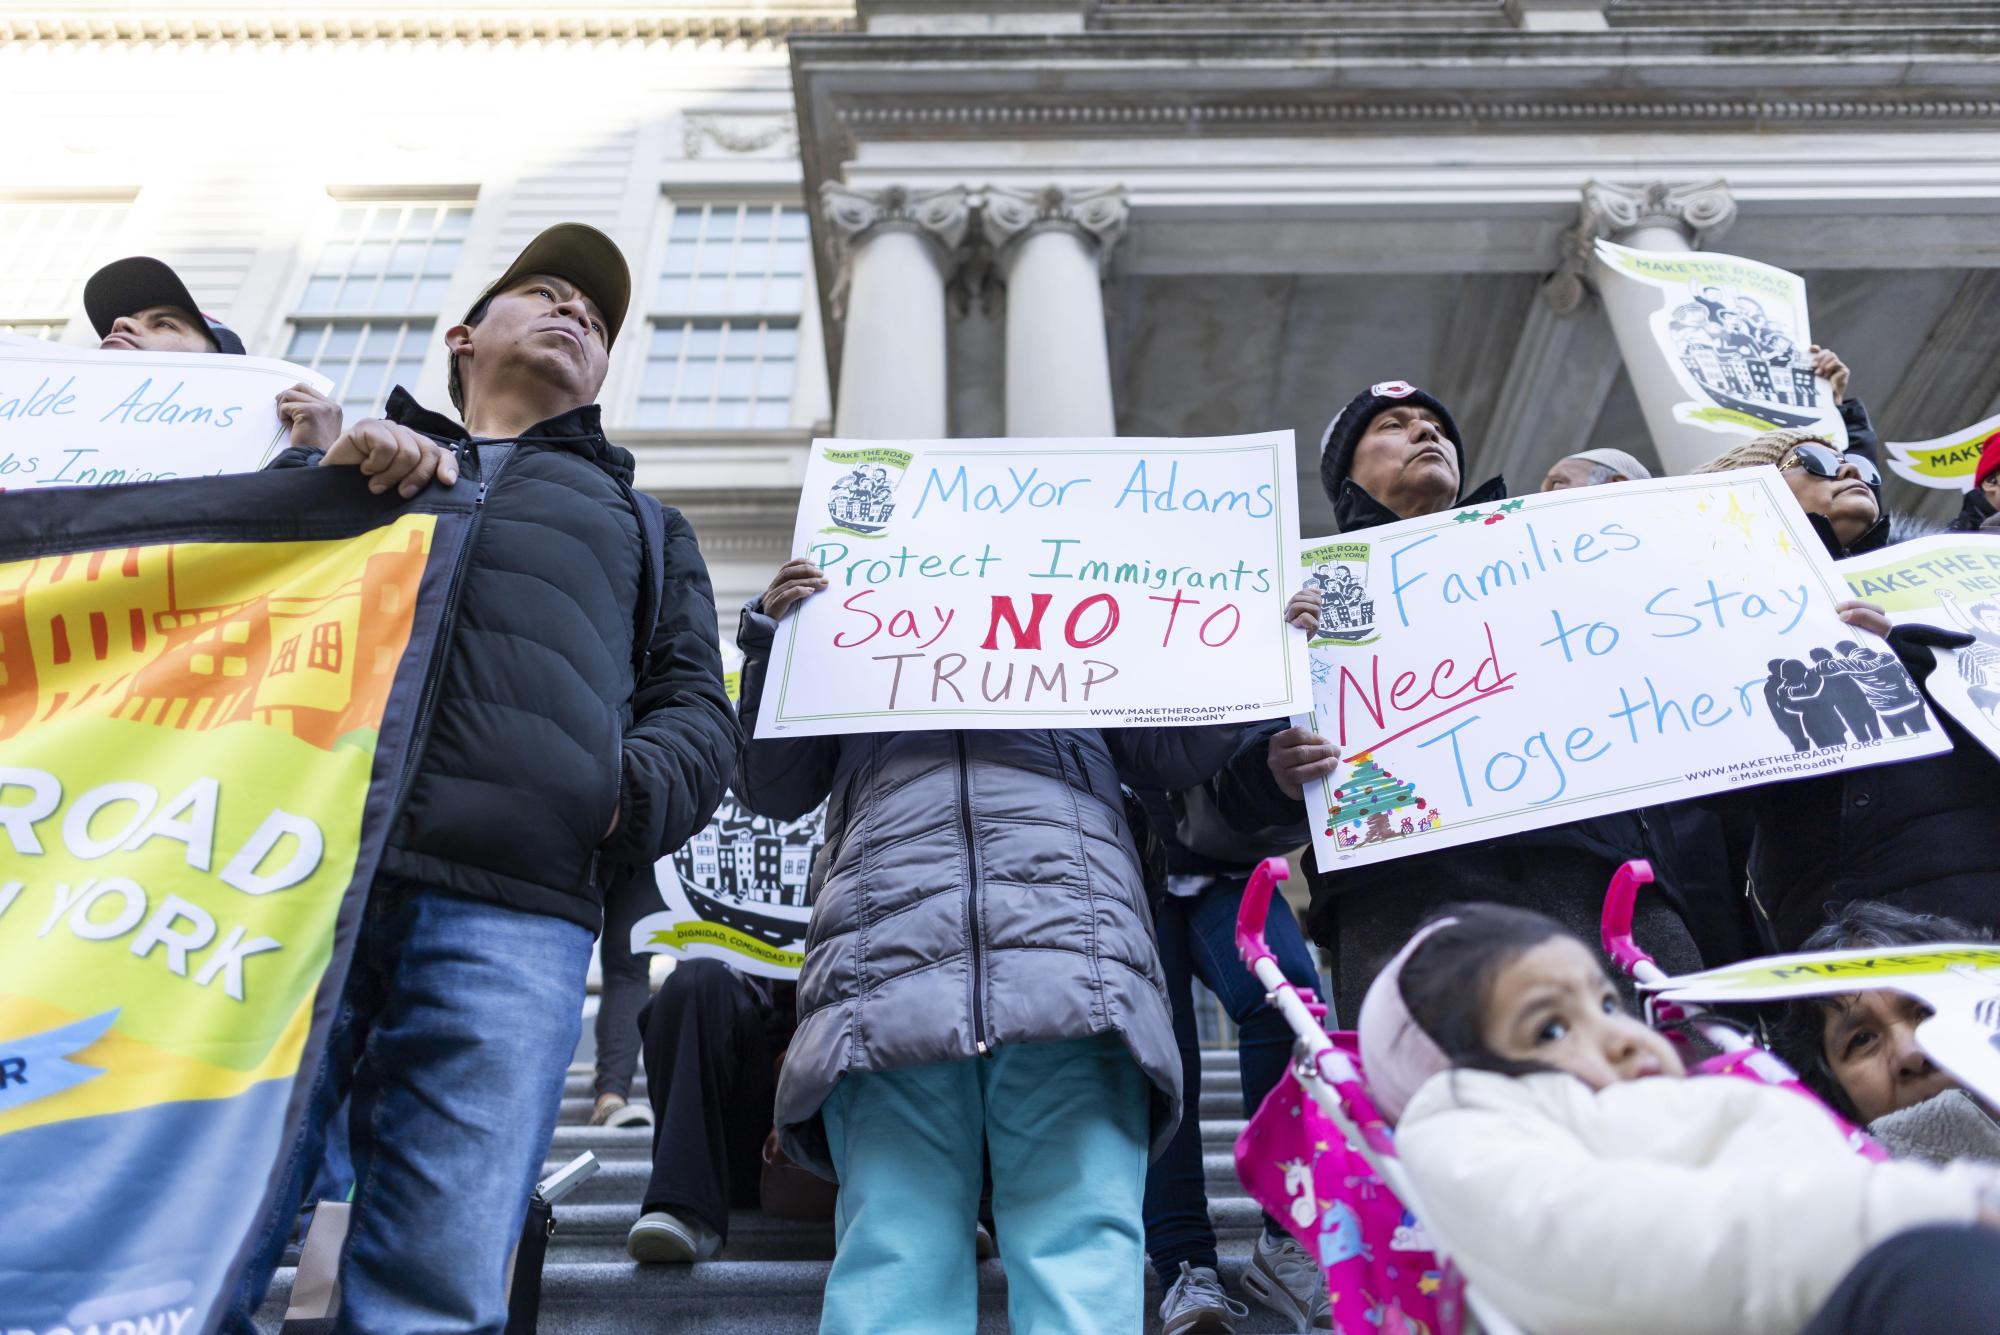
(1066, 1127)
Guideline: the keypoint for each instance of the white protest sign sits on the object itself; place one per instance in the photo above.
(739, 891)
(1960, 982)
(87, 417)
(1041, 584)
(1950, 580)
(1491, 670)
(1716, 348)
(1944, 462)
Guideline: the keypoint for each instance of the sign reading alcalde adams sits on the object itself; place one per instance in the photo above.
(1497, 669)
(1717, 348)
(201, 741)
(81, 417)
(1041, 584)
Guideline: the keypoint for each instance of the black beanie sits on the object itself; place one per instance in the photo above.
(1336, 446)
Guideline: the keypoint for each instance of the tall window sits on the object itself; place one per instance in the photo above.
(370, 310)
(724, 336)
(47, 249)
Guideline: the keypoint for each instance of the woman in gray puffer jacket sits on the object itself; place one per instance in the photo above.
(980, 975)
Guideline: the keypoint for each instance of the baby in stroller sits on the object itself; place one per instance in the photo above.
(1586, 1187)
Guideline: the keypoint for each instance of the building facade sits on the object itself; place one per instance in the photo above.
(1023, 217)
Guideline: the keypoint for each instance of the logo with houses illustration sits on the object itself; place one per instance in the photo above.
(203, 635)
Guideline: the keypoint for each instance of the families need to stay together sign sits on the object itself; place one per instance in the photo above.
(1491, 670)
(1950, 580)
(79, 417)
(739, 891)
(208, 690)
(1042, 584)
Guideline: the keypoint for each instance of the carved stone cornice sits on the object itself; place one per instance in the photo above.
(1095, 213)
(852, 216)
(306, 23)
(1407, 113)
(1701, 211)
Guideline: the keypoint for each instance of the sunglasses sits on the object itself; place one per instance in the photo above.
(1827, 462)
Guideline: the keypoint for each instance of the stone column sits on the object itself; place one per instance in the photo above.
(1052, 246)
(895, 249)
(1565, 359)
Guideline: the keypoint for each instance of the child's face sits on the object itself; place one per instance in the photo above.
(1553, 1005)
(1871, 1048)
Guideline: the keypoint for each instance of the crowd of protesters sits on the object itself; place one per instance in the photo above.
(996, 1005)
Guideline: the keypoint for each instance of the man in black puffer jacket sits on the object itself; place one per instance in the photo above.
(575, 717)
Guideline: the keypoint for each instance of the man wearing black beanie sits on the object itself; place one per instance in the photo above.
(1395, 452)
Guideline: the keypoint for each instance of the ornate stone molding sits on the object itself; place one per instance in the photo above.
(1095, 213)
(306, 23)
(1700, 211)
(852, 216)
(741, 135)
(1417, 113)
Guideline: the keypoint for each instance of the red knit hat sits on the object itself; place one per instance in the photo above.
(1989, 459)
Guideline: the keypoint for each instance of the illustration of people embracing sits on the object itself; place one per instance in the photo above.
(1852, 692)
(862, 500)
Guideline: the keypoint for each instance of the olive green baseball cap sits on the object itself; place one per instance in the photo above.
(578, 253)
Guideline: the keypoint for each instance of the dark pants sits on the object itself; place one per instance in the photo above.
(1945, 1277)
(1198, 940)
(626, 981)
(709, 1071)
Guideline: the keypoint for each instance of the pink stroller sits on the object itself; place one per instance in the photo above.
(1319, 1157)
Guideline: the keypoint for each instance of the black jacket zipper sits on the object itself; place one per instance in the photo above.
(432, 678)
(979, 1043)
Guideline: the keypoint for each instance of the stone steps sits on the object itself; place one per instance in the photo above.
(745, 1297)
(769, 1278)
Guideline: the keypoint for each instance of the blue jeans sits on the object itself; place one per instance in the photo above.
(1066, 1127)
(1197, 937)
(451, 1042)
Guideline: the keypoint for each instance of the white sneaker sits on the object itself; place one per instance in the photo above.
(664, 1237)
(1282, 1277)
(635, 1113)
(1197, 1305)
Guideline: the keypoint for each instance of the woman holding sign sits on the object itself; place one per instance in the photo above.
(1917, 835)
(980, 973)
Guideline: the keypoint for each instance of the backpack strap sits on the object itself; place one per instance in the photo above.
(653, 592)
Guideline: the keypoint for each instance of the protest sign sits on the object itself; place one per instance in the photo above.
(1716, 347)
(1944, 462)
(1960, 982)
(738, 891)
(78, 417)
(202, 742)
(1950, 580)
(1496, 669)
(1041, 584)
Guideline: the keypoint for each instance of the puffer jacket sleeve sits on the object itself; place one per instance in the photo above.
(1172, 758)
(1243, 792)
(1861, 437)
(1566, 1241)
(678, 750)
(296, 456)
(782, 778)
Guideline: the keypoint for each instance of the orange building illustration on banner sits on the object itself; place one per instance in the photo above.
(303, 637)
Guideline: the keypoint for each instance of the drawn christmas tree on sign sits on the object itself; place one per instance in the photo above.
(1367, 802)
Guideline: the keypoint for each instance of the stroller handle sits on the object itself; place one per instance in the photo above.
(1256, 909)
(1621, 900)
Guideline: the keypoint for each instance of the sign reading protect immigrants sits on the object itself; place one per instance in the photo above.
(1491, 670)
(1042, 584)
(200, 742)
